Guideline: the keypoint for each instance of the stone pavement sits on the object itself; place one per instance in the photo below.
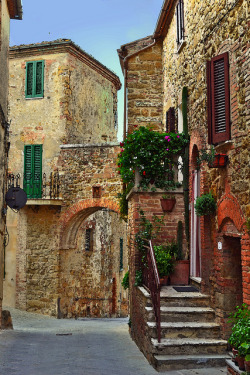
(42, 345)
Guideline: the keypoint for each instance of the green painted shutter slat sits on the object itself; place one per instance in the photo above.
(32, 182)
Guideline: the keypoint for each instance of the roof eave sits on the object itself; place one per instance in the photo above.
(161, 29)
(15, 9)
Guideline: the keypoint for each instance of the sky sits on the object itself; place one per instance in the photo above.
(99, 27)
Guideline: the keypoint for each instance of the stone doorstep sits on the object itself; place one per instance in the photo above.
(190, 346)
(233, 366)
(178, 362)
(181, 325)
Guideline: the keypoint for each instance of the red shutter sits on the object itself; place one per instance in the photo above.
(170, 120)
(220, 98)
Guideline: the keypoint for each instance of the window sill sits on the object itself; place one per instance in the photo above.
(44, 202)
(181, 45)
(224, 146)
(34, 97)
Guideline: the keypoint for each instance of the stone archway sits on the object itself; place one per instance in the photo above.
(90, 276)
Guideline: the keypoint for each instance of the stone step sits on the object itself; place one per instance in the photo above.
(186, 330)
(179, 362)
(188, 314)
(185, 299)
(189, 346)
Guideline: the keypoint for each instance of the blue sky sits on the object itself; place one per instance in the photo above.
(99, 27)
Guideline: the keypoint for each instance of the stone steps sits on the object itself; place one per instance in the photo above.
(186, 330)
(187, 314)
(178, 362)
(190, 337)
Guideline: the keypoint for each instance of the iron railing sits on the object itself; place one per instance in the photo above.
(151, 280)
(50, 186)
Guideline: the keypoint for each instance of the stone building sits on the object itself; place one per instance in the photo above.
(9, 9)
(199, 53)
(67, 251)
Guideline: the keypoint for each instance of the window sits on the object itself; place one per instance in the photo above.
(32, 182)
(180, 22)
(121, 254)
(34, 79)
(170, 120)
(89, 239)
(218, 103)
(96, 190)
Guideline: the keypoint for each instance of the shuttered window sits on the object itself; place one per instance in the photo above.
(89, 239)
(34, 79)
(32, 182)
(121, 254)
(180, 21)
(218, 99)
(170, 120)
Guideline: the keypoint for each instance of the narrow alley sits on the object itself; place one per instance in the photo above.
(42, 345)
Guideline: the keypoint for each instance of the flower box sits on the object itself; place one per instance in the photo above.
(220, 161)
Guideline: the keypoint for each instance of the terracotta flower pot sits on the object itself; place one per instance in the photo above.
(180, 276)
(168, 204)
(247, 366)
(241, 363)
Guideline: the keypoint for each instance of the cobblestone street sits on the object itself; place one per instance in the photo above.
(41, 345)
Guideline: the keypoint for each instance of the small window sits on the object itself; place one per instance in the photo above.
(34, 79)
(89, 239)
(170, 120)
(121, 254)
(96, 191)
(180, 22)
(32, 181)
(218, 99)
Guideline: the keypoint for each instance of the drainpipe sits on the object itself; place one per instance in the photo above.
(125, 69)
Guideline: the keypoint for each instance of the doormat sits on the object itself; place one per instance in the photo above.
(185, 289)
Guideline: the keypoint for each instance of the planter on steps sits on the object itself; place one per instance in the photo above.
(181, 273)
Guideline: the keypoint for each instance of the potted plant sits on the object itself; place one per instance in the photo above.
(165, 262)
(205, 205)
(168, 203)
(180, 276)
(213, 160)
(240, 336)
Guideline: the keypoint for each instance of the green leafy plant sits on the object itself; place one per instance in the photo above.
(168, 196)
(152, 154)
(240, 336)
(206, 156)
(123, 202)
(164, 260)
(125, 280)
(205, 205)
(138, 278)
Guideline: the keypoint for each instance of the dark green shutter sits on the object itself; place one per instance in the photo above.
(34, 79)
(121, 254)
(32, 182)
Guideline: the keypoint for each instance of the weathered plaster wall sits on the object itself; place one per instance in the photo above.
(79, 106)
(91, 106)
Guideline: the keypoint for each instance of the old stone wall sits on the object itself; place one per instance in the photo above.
(144, 85)
(75, 121)
(4, 49)
(212, 29)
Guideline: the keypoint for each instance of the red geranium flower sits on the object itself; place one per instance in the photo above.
(144, 173)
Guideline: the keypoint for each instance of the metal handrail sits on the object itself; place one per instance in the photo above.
(152, 281)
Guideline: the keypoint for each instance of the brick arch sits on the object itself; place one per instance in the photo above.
(71, 220)
(229, 209)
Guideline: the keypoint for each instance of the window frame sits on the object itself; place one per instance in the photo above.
(180, 23)
(34, 80)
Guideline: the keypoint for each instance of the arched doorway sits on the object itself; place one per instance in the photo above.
(93, 260)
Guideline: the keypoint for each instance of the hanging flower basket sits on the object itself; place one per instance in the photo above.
(220, 161)
(167, 204)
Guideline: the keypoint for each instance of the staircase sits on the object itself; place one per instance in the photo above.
(190, 337)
